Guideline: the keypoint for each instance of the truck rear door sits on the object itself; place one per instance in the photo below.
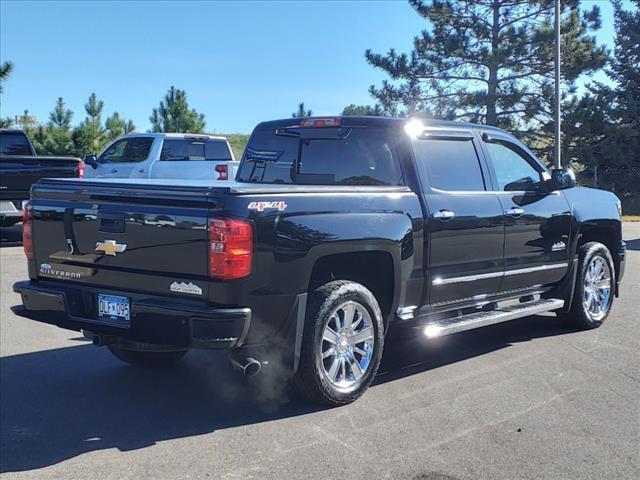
(465, 222)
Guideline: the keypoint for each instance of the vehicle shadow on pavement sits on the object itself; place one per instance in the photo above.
(61, 403)
(11, 236)
(408, 352)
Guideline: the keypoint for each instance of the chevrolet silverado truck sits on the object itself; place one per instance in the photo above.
(337, 230)
(20, 167)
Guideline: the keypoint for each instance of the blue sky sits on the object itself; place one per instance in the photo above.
(240, 62)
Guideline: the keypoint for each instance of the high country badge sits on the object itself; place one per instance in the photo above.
(182, 287)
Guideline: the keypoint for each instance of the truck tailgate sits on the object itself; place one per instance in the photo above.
(20, 172)
(95, 232)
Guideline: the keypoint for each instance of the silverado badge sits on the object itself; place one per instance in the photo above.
(110, 247)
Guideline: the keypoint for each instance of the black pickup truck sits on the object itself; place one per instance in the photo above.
(335, 230)
(20, 167)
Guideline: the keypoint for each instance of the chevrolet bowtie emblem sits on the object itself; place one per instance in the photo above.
(110, 247)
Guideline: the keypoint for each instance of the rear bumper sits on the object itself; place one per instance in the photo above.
(154, 319)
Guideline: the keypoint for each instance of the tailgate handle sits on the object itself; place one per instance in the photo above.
(111, 222)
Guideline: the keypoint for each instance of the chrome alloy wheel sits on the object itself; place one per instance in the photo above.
(347, 345)
(597, 288)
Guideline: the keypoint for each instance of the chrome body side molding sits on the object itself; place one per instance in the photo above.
(505, 273)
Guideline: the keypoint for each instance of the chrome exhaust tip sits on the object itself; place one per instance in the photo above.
(247, 365)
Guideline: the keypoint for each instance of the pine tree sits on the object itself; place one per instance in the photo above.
(174, 115)
(362, 110)
(602, 127)
(5, 70)
(55, 138)
(301, 112)
(116, 126)
(89, 137)
(488, 61)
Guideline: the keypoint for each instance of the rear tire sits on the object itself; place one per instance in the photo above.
(147, 359)
(342, 344)
(593, 293)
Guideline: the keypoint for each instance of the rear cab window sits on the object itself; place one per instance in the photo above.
(190, 149)
(15, 143)
(322, 156)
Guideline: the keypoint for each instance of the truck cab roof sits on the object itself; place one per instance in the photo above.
(203, 136)
(378, 121)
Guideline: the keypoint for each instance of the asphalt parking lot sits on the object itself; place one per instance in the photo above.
(525, 399)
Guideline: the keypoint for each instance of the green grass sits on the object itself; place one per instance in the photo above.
(237, 141)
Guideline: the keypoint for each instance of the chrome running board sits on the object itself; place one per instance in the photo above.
(491, 317)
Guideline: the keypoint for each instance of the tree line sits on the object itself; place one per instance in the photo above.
(485, 61)
(58, 137)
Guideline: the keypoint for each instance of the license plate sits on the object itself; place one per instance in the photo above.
(114, 308)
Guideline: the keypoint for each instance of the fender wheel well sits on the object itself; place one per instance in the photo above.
(605, 235)
(372, 269)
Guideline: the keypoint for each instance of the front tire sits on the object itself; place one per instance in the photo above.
(147, 359)
(342, 344)
(593, 294)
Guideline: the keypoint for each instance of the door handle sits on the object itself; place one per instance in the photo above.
(444, 215)
(514, 212)
(114, 171)
(142, 170)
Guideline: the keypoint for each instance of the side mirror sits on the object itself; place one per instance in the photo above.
(91, 160)
(561, 179)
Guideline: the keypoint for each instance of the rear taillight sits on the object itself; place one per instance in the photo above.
(81, 167)
(27, 238)
(230, 248)
(223, 171)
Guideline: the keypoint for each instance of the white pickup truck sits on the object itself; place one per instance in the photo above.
(164, 155)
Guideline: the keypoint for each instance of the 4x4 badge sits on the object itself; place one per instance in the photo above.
(110, 247)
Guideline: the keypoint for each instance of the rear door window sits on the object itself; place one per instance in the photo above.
(178, 150)
(450, 164)
(356, 156)
(127, 150)
(14, 144)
